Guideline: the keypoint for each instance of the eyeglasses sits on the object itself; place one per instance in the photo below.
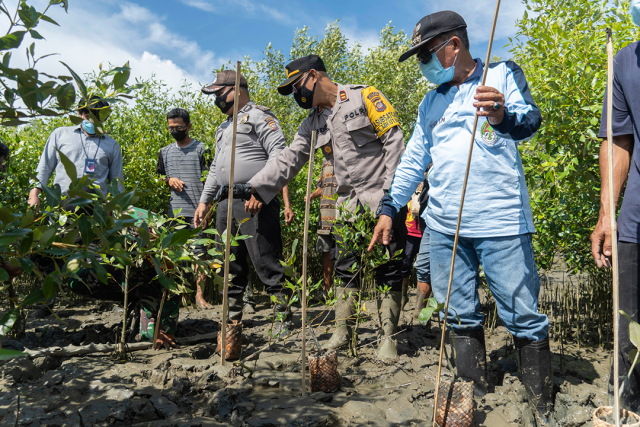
(294, 89)
(178, 128)
(425, 57)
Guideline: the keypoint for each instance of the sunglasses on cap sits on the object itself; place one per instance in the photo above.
(425, 56)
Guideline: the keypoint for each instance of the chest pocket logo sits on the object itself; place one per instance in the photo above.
(489, 136)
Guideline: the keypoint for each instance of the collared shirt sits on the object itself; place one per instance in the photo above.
(496, 202)
(187, 164)
(77, 146)
(259, 139)
(626, 121)
(360, 133)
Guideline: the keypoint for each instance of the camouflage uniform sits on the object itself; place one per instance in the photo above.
(141, 289)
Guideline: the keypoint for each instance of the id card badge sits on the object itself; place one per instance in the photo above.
(90, 166)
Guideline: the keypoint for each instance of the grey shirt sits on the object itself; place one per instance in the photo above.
(360, 134)
(77, 146)
(259, 139)
(186, 164)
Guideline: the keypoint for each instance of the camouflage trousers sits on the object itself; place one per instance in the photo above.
(141, 290)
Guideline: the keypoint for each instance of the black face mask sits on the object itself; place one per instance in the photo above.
(223, 105)
(179, 135)
(304, 97)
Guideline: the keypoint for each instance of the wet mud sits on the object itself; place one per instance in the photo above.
(189, 387)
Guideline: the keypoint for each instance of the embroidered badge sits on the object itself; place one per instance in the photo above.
(272, 123)
(417, 38)
(327, 149)
(343, 95)
(376, 100)
(487, 133)
(244, 119)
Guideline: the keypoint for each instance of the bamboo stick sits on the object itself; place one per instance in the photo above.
(305, 239)
(614, 236)
(227, 247)
(455, 241)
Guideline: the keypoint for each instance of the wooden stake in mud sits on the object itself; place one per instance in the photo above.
(307, 208)
(464, 190)
(156, 327)
(614, 231)
(227, 247)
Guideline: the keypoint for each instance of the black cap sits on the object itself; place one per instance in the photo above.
(431, 26)
(296, 68)
(225, 78)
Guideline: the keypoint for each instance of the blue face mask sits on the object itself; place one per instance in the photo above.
(634, 10)
(435, 72)
(88, 127)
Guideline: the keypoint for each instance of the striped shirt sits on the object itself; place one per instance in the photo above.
(186, 164)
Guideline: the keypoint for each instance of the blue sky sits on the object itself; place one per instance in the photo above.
(185, 39)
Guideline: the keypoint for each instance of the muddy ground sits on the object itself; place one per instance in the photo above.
(188, 387)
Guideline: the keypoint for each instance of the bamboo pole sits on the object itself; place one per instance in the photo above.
(455, 241)
(305, 239)
(227, 247)
(614, 231)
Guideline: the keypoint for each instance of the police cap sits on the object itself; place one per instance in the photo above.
(296, 69)
(225, 78)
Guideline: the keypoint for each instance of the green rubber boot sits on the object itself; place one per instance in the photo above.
(405, 292)
(343, 316)
(389, 311)
(235, 308)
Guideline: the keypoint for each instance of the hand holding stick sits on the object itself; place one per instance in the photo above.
(455, 241)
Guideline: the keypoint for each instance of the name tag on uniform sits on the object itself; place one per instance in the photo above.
(90, 166)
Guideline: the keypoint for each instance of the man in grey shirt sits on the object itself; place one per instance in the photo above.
(259, 139)
(181, 165)
(98, 156)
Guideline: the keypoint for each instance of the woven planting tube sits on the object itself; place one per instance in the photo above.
(323, 372)
(603, 411)
(455, 404)
(233, 344)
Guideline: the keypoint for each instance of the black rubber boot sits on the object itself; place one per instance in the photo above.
(534, 365)
(471, 358)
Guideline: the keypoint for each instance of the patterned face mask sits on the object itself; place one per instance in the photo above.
(304, 96)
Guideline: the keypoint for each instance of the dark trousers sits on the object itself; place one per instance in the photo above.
(264, 246)
(389, 274)
(629, 273)
(410, 254)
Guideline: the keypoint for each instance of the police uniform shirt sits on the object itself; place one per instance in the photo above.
(360, 132)
(259, 139)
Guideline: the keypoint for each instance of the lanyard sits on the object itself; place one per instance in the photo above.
(85, 151)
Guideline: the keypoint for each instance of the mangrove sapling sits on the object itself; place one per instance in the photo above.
(353, 233)
(634, 337)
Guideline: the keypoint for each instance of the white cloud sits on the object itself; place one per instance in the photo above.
(200, 4)
(120, 33)
(368, 39)
(250, 7)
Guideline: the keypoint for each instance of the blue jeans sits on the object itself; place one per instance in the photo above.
(511, 273)
(423, 261)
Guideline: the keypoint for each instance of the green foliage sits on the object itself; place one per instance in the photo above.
(25, 95)
(141, 129)
(561, 47)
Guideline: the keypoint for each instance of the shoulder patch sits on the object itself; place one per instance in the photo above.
(273, 124)
(380, 111)
(262, 107)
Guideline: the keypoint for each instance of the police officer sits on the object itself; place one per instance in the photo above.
(358, 129)
(259, 139)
